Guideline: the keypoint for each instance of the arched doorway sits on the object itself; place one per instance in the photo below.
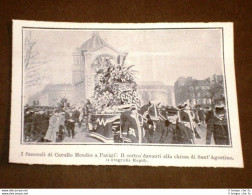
(103, 61)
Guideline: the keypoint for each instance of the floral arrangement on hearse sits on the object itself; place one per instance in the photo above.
(115, 85)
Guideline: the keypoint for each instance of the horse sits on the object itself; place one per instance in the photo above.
(165, 131)
(143, 125)
(135, 125)
(159, 133)
(150, 124)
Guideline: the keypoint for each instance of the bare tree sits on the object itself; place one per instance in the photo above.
(33, 64)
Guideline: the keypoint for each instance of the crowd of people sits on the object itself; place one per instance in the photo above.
(212, 118)
(176, 125)
(51, 124)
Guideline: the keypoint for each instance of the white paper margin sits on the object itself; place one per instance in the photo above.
(16, 147)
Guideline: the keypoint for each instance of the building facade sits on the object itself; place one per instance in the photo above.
(155, 92)
(51, 94)
(92, 50)
(196, 92)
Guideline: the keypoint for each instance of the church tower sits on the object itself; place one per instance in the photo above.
(78, 73)
(82, 72)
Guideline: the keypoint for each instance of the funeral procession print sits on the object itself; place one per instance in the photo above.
(147, 87)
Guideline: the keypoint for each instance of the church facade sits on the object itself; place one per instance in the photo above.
(83, 75)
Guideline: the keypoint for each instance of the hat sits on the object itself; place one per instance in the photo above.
(182, 107)
(133, 107)
(172, 111)
(219, 105)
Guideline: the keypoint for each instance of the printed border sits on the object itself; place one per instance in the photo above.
(128, 144)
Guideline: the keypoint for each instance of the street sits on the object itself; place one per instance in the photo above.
(81, 136)
(202, 132)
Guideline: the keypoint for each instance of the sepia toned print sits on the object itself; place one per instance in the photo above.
(121, 86)
(80, 88)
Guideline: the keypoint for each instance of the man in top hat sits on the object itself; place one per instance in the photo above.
(87, 114)
(217, 126)
(179, 133)
(70, 124)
